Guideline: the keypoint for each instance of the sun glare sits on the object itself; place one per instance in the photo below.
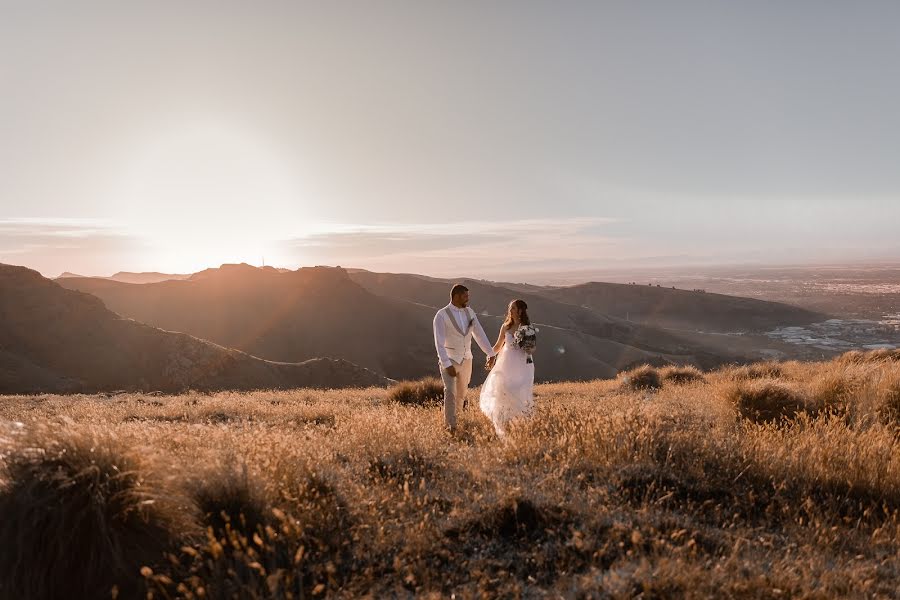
(205, 195)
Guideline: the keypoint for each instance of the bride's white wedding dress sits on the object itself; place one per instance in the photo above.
(507, 392)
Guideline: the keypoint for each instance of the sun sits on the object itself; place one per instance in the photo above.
(206, 194)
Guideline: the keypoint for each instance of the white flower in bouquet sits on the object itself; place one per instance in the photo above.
(526, 339)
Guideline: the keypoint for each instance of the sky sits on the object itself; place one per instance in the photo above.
(495, 139)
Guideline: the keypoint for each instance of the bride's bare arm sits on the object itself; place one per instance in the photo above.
(501, 339)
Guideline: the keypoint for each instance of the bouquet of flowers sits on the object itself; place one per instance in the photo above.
(526, 339)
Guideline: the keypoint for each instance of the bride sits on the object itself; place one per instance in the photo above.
(507, 391)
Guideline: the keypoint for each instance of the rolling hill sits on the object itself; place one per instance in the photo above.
(293, 316)
(682, 309)
(57, 340)
(383, 321)
(131, 277)
(707, 346)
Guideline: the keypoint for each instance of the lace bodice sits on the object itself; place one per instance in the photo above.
(510, 343)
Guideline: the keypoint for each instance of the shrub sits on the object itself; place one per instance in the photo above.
(418, 393)
(681, 374)
(80, 517)
(768, 401)
(643, 377)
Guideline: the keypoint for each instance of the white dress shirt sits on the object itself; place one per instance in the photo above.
(461, 315)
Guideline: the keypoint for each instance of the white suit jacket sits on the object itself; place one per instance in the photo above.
(454, 343)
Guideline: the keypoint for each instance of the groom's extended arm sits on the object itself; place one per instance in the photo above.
(439, 335)
(481, 337)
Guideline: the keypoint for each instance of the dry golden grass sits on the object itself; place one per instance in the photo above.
(681, 374)
(762, 370)
(768, 400)
(424, 392)
(889, 400)
(81, 487)
(858, 356)
(643, 377)
(605, 492)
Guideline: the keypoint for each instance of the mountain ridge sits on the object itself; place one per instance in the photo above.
(56, 339)
(382, 321)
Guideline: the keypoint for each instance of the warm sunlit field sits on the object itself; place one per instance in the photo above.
(774, 481)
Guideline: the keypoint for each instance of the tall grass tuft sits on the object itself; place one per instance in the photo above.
(889, 403)
(81, 518)
(643, 377)
(424, 392)
(871, 356)
(681, 374)
(767, 400)
(291, 546)
(761, 370)
(833, 392)
(228, 499)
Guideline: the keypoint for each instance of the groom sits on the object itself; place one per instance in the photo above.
(454, 326)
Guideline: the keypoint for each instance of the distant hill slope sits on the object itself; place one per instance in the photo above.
(291, 316)
(682, 309)
(610, 302)
(150, 277)
(129, 277)
(58, 340)
(383, 321)
(608, 337)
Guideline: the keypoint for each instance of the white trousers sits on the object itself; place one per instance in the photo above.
(455, 389)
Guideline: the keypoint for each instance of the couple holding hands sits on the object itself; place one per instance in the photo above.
(507, 392)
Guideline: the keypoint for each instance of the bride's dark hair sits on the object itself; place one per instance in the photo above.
(523, 314)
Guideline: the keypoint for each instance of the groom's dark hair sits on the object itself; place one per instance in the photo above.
(457, 289)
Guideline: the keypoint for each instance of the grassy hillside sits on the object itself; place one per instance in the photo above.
(768, 481)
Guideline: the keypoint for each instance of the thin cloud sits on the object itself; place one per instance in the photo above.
(465, 227)
(55, 228)
(511, 245)
(53, 245)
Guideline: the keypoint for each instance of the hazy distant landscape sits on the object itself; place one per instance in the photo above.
(379, 324)
(863, 300)
(382, 321)
(851, 291)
